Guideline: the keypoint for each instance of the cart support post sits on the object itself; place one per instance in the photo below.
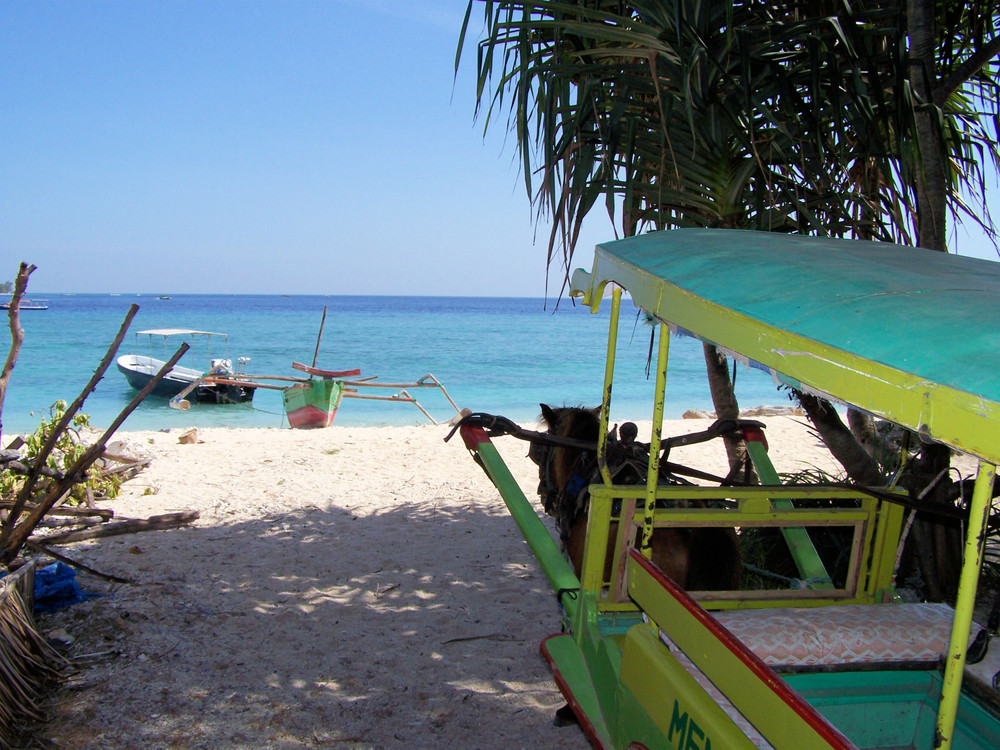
(609, 375)
(975, 545)
(653, 476)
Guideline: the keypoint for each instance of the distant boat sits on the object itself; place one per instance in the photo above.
(164, 296)
(27, 304)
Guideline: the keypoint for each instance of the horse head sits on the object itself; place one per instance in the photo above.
(566, 456)
(565, 470)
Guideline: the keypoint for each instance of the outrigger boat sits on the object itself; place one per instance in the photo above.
(311, 402)
(220, 384)
(314, 403)
(904, 334)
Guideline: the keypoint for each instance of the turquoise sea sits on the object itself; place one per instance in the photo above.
(502, 356)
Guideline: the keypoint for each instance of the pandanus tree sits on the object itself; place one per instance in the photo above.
(776, 116)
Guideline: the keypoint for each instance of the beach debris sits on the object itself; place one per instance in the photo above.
(381, 590)
(188, 437)
(75, 563)
(40, 476)
(56, 587)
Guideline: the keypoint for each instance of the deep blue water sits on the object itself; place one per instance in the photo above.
(495, 355)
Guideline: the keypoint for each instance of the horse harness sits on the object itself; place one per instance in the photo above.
(623, 454)
(627, 463)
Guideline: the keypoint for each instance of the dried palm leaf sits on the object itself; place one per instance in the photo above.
(28, 664)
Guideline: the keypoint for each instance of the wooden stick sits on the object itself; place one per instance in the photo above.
(75, 521)
(75, 563)
(105, 513)
(18, 467)
(153, 523)
(232, 381)
(119, 458)
(124, 468)
(362, 384)
(293, 379)
(290, 378)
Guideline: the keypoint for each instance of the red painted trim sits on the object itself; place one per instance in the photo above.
(310, 416)
(564, 688)
(755, 435)
(325, 373)
(767, 675)
(474, 436)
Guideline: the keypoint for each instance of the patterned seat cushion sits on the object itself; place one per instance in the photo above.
(858, 634)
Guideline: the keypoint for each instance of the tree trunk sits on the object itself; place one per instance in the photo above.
(858, 464)
(931, 185)
(863, 428)
(938, 544)
(16, 333)
(724, 399)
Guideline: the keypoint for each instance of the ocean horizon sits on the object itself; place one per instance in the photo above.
(498, 355)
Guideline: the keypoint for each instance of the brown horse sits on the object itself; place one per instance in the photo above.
(698, 559)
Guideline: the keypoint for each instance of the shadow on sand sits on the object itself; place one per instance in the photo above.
(416, 626)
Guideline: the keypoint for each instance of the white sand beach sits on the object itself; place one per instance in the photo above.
(347, 588)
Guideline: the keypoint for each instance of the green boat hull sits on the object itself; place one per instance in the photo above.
(313, 404)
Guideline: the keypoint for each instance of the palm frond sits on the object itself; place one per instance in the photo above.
(780, 116)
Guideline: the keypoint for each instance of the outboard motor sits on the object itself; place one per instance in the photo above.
(226, 365)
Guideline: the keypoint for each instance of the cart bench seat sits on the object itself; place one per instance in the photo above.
(859, 634)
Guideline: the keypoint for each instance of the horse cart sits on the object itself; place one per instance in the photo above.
(836, 660)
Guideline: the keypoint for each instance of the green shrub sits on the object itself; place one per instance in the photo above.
(68, 449)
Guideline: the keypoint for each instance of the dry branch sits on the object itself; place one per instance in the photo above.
(105, 514)
(124, 469)
(153, 523)
(74, 563)
(13, 534)
(57, 431)
(16, 332)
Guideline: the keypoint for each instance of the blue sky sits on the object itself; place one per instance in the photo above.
(260, 147)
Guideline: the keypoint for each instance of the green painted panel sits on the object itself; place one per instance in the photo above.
(892, 709)
(571, 670)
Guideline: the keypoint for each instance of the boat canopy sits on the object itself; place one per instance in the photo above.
(906, 334)
(177, 332)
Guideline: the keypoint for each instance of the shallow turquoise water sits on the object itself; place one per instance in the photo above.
(495, 355)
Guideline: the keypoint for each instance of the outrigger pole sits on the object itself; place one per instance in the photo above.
(427, 381)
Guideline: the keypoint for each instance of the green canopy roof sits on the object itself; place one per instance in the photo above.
(907, 334)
